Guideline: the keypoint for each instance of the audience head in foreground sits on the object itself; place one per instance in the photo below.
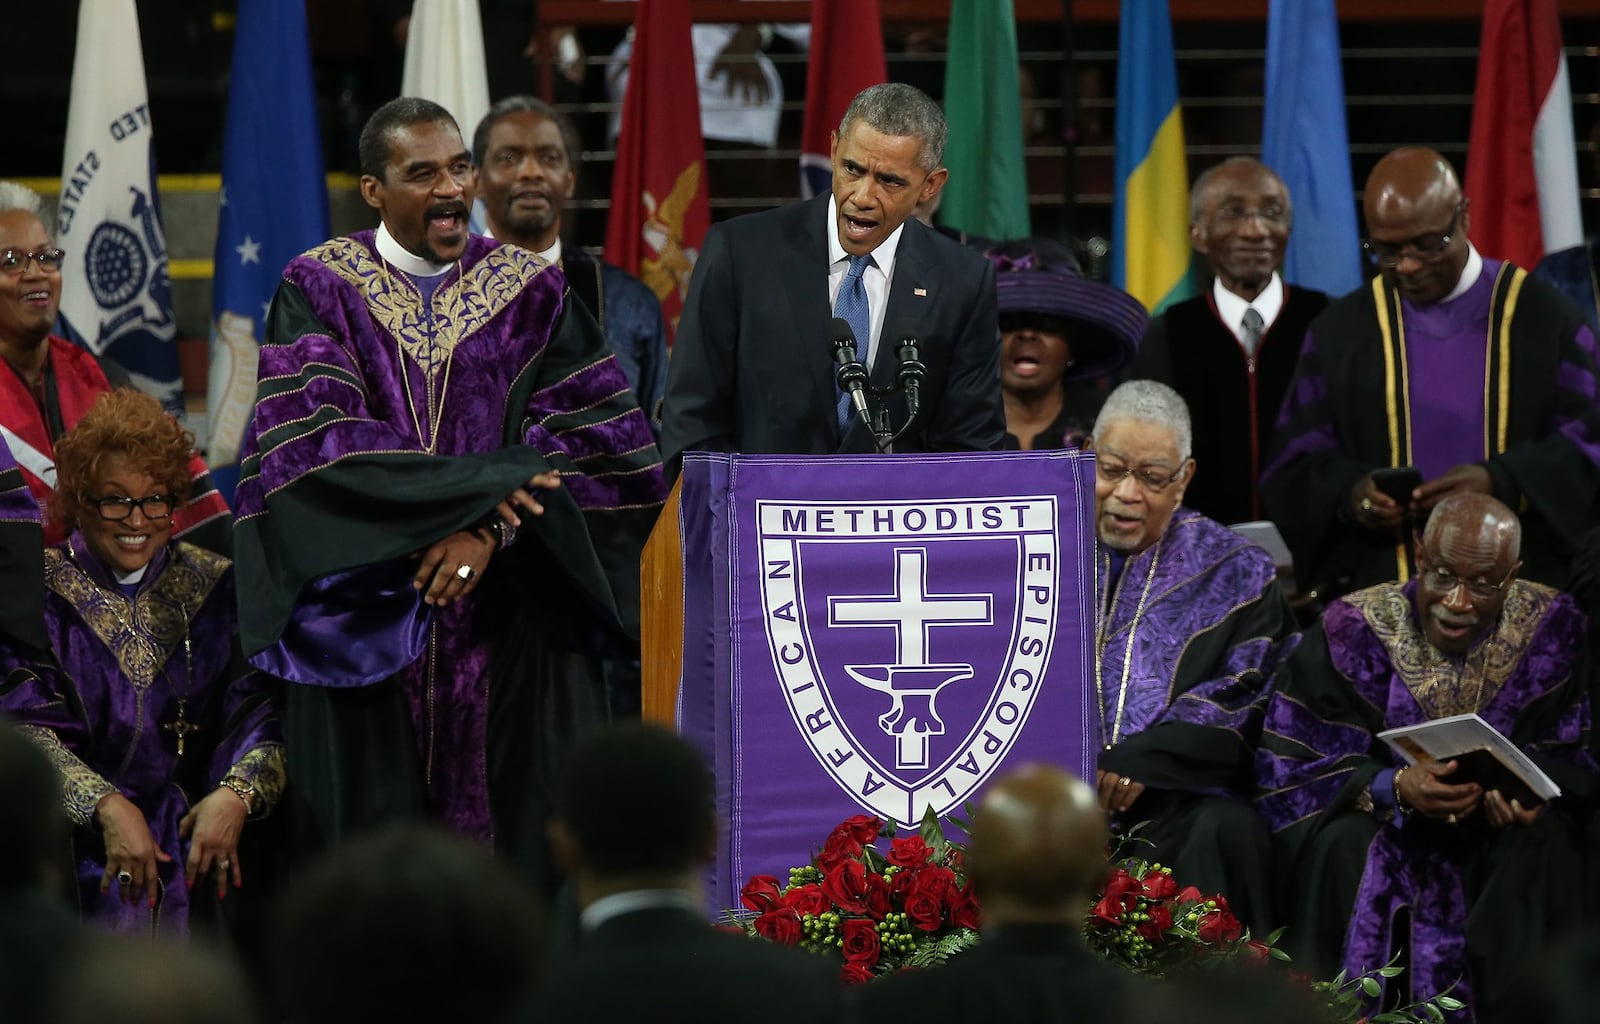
(411, 924)
(1038, 850)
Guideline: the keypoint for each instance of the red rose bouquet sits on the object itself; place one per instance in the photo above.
(876, 910)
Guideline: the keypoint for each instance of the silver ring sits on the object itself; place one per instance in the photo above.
(1451, 819)
(1124, 781)
(223, 865)
(124, 877)
(466, 572)
(1366, 504)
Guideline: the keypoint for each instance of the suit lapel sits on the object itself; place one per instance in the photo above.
(804, 283)
(906, 307)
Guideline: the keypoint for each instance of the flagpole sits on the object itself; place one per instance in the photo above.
(1070, 127)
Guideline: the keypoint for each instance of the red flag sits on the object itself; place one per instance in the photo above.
(846, 57)
(659, 210)
(1522, 170)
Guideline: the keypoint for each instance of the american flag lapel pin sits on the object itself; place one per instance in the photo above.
(920, 293)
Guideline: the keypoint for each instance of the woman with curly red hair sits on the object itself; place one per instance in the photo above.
(165, 739)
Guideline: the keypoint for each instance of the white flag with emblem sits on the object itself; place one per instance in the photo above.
(116, 298)
(445, 64)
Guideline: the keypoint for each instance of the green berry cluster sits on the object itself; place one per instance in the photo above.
(820, 931)
(894, 935)
(804, 876)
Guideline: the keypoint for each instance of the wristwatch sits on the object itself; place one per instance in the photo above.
(245, 790)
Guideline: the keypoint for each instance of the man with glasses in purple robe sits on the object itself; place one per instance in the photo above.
(1192, 624)
(1466, 883)
(441, 629)
(1454, 364)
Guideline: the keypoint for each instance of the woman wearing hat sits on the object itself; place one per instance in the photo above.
(1061, 333)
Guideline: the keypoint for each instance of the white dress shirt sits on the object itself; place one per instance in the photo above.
(876, 278)
(1231, 307)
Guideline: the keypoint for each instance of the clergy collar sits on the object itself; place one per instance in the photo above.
(550, 255)
(882, 256)
(404, 259)
(1469, 275)
(1231, 307)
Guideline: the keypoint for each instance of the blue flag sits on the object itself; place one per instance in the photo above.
(274, 207)
(1303, 139)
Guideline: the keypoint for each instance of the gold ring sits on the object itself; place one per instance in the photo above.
(1366, 504)
(1451, 819)
(465, 572)
(1124, 781)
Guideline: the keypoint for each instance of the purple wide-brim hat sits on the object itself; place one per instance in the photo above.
(1110, 323)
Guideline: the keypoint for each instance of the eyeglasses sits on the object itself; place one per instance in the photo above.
(1444, 581)
(1235, 213)
(154, 506)
(1152, 480)
(1389, 255)
(15, 261)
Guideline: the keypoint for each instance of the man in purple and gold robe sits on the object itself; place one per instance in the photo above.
(1462, 366)
(1467, 883)
(443, 629)
(1192, 624)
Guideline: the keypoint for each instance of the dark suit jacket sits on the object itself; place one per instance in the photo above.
(751, 369)
(1034, 974)
(666, 965)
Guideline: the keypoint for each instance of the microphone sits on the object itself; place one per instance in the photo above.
(850, 374)
(911, 371)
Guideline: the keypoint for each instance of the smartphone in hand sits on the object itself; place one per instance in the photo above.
(1397, 482)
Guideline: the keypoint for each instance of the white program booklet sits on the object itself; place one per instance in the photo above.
(1481, 753)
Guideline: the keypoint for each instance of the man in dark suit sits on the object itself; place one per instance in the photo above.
(1036, 859)
(751, 370)
(635, 826)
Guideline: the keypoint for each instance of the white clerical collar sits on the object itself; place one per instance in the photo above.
(607, 907)
(882, 256)
(1231, 307)
(404, 259)
(1469, 274)
(550, 255)
(136, 576)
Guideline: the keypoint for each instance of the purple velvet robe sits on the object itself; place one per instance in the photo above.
(386, 420)
(1368, 668)
(103, 710)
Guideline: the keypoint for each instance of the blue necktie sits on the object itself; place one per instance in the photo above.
(852, 307)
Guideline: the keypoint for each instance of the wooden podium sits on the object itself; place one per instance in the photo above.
(661, 614)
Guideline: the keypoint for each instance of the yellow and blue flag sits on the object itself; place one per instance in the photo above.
(1150, 231)
(274, 207)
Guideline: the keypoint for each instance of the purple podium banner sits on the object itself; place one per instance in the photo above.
(879, 635)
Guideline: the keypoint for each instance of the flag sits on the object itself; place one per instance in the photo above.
(987, 193)
(1150, 220)
(1522, 167)
(116, 297)
(1303, 139)
(445, 64)
(274, 207)
(846, 57)
(659, 211)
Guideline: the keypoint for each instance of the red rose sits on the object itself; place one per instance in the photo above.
(806, 899)
(863, 828)
(909, 852)
(1189, 894)
(1158, 885)
(1219, 926)
(924, 910)
(760, 894)
(1221, 901)
(838, 849)
(1109, 910)
(964, 911)
(936, 881)
(901, 881)
(1155, 929)
(955, 857)
(854, 974)
(1121, 884)
(846, 886)
(780, 926)
(1257, 952)
(860, 942)
(878, 899)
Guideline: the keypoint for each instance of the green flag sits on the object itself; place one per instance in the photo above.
(987, 193)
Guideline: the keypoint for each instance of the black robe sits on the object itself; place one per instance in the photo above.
(1349, 412)
(1233, 400)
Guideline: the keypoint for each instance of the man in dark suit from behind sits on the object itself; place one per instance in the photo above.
(1038, 855)
(635, 827)
(751, 369)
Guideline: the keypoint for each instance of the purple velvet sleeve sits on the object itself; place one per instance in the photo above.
(351, 628)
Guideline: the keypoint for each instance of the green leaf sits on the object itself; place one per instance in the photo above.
(1390, 972)
(1433, 1012)
(1277, 933)
(1371, 987)
(1450, 1002)
(1278, 954)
